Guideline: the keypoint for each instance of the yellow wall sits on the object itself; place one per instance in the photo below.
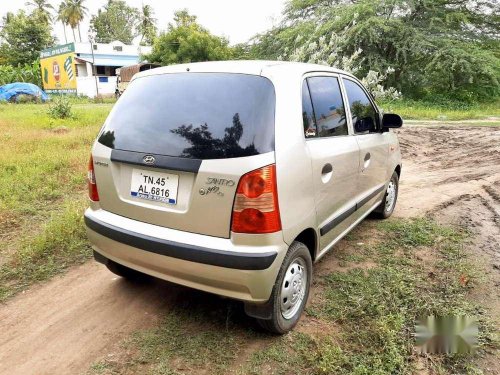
(58, 69)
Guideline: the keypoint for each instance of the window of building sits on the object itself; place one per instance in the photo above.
(100, 70)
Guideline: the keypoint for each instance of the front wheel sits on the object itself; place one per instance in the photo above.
(388, 204)
(290, 291)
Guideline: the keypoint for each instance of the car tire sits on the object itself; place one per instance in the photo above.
(126, 272)
(291, 290)
(386, 207)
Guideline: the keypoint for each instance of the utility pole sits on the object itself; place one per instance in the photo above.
(91, 40)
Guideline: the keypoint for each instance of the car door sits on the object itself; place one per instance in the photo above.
(334, 156)
(373, 144)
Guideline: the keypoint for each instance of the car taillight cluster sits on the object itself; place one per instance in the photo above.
(255, 207)
(93, 194)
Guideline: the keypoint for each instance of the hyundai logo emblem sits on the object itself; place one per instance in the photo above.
(149, 159)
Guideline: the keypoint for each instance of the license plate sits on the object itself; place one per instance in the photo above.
(155, 186)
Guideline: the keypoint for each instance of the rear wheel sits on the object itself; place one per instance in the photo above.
(290, 291)
(125, 272)
(388, 204)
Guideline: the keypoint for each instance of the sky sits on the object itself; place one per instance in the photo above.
(237, 20)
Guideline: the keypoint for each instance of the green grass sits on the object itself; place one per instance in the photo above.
(59, 243)
(44, 159)
(193, 337)
(43, 165)
(214, 348)
(375, 309)
(449, 111)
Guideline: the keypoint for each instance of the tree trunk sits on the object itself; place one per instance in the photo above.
(79, 33)
(73, 30)
(64, 29)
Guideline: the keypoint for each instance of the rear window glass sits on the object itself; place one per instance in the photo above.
(194, 115)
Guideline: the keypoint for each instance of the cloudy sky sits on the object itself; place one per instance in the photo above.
(237, 20)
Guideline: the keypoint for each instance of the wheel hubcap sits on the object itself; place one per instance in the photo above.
(390, 196)
(293, 288)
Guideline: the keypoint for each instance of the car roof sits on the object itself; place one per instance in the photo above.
(255, 67)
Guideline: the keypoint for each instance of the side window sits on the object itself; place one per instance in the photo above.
(328, 106)
(307, 113)
(364, 116)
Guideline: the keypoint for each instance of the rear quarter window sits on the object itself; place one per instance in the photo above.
(194, 115)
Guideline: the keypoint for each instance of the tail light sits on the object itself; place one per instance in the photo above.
(93, 194)
(255, 207)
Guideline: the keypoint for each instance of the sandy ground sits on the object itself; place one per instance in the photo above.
(65, 325)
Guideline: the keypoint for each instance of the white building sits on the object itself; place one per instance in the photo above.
(102, 64)
(87, 69)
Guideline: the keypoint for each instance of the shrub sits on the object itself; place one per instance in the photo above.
(29, 73)
(60, 107)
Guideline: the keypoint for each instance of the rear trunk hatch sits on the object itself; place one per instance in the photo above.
(175, 145)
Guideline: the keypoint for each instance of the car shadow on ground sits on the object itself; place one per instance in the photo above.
(196, 306)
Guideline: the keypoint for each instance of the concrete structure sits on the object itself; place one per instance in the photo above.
(78, 68)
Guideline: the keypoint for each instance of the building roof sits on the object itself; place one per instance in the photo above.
(109, 61)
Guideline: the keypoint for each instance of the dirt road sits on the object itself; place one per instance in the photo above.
(63, 326)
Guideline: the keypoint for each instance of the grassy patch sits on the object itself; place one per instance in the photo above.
(61, 242)
(43, 164)
(194, 337)
(171, 345)
(448, 111)
(421, 270)
(44, 159)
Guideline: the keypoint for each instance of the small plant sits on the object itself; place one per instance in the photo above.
(99, 99)
(23, 99)
(60, 107)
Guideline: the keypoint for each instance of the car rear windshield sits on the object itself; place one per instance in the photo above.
(194, 115)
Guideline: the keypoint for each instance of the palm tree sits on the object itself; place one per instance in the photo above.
(43, 8)
(73, 12)
(61, 16)
(147, 24)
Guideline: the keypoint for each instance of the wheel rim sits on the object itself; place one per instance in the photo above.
(293, 288)
(390, 196)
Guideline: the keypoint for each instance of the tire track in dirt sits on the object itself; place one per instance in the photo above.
(70, 322)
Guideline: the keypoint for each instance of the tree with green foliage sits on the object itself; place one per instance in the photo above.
(43, 7)
(424, 48)
(72, 13)
(61, 17)
(23, 37)
(147, 25)
(187, 41)
(117, 21)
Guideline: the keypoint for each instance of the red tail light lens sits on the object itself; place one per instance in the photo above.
(255, 207)
(93, 194)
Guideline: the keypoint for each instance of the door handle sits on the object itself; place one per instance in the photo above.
(326, 173)
(327, 168)
(367, 160)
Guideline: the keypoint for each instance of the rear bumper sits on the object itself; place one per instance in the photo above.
(211, 264)
(192, 253)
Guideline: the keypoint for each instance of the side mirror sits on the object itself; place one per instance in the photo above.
(391, 120)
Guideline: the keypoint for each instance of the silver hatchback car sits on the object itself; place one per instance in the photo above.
(235, 177)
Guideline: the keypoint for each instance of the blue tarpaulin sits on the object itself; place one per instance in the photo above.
(11, 90)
